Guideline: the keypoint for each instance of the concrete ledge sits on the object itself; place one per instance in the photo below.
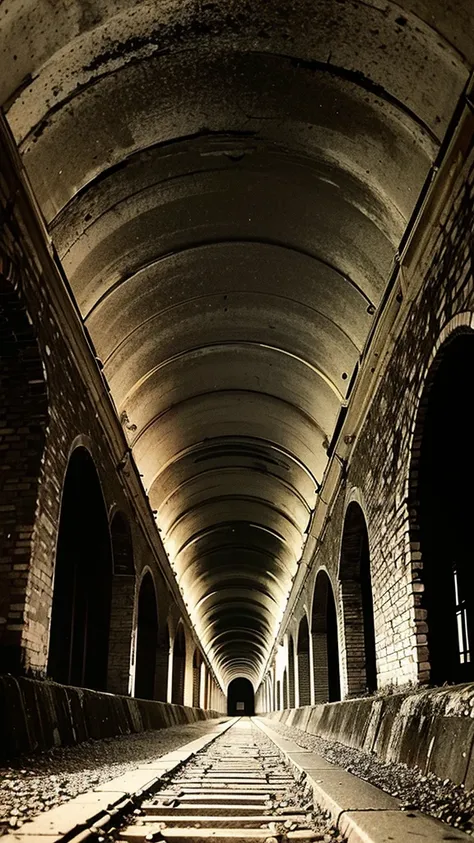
(362, 812)
(432, 729)
(36, 715)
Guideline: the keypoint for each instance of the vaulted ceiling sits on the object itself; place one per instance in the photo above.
(226, 184)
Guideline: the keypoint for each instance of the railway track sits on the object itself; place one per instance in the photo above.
(238, 788)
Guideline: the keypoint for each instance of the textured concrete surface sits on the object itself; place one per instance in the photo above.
(432, 728)
(364, 813)
(37, 715)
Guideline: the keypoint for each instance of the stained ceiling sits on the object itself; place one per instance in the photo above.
(226, 184)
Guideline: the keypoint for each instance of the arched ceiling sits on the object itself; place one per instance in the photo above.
(226, 183)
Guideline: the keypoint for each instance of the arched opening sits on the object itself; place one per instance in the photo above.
(357, 604)
(325, 642)
(441, 512)
(285, 689)
(179, 666)
(121, 611)
(291, 672)
(24, 416)
(240, 698)
(197, 660)
(78, 646)
(147, 635)
(278, 696)
(304, 679)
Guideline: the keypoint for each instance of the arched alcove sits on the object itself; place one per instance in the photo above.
(24, 415)
(278, 695)
(325, 641)
(357, 604)
(304, 679)
(197, 660)
(79, 638)
(121, 612)
(240, 698)
(179, 666)
(441, 507)
(291, 672)
(147, 634)
(285, 689)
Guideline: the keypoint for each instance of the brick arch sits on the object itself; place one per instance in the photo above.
(357, 610)
(146, 636)
(325, 640)
(80, 618)
(440, 506)
(302, 649)
(179, 665)
(285, 689)
(24, 415)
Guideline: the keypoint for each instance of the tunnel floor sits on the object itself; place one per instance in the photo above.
(239, 785)
(31, 785)
(36, 783)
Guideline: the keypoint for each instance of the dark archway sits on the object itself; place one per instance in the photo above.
(441, 509)
(285, 689)
(291, 672)
(304, 679)
(179, 666)
(197, 661)
(240, 698)
(78, 646)
(24, 417)
(357, 604)
(121, 612)
(325, 642)
(147, 636)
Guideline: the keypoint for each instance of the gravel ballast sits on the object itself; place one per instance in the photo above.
(37, 783)
(443, 800)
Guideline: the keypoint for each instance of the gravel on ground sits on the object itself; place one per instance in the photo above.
(39, 782)
(440, 798)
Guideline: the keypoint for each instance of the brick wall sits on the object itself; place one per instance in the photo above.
(304, 678)
(121, 632)
(37, 434)
(381, 467)
(23, 420)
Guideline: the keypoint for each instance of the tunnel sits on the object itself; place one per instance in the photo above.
(227, 244)
(240, 698)
(237, 325)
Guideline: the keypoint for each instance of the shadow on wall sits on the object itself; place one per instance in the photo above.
(78, 649)
(240, 698)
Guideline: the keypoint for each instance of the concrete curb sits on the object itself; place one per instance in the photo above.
(36, 715)
(362, 812)
(80, 817)
(430, 728)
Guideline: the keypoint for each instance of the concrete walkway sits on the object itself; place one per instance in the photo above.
(362, 812)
